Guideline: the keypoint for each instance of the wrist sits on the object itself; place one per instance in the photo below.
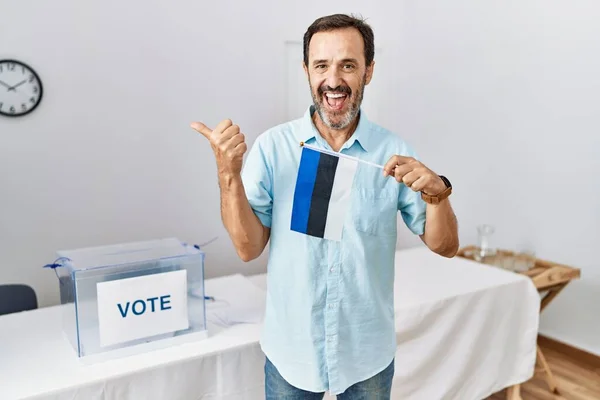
(438, 195)
(436, 189)
(230, 180)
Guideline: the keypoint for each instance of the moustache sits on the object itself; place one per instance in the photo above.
(338, 89)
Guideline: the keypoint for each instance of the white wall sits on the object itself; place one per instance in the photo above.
(504, 97)
(476, 87)
(109, 156)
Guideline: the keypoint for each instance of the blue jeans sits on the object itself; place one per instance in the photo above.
(379, 387)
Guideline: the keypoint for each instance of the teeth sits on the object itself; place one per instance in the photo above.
(335, 95)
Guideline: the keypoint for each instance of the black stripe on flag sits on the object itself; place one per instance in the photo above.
(321, 195)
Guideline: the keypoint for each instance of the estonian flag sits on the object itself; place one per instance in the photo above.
(322, 194)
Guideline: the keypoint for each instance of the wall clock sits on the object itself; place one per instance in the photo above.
(20, 88)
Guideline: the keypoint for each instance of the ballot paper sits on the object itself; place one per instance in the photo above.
(234, 299)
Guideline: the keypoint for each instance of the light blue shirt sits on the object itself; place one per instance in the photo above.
(329, 320)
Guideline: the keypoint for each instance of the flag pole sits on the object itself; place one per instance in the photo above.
(337, 154)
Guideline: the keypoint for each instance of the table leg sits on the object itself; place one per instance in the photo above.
(549, 376)
(551, 295)
(514, 393)
(552, 384)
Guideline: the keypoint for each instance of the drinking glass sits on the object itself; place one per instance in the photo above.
(524, 259)
(485, 249)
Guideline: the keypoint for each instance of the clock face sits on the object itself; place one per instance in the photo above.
(20, 88)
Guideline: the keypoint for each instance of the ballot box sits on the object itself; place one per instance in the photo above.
(129, 298)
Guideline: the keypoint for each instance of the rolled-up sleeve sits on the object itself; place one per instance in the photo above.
(410, 204)
(257, 178)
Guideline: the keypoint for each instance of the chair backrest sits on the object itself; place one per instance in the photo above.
(16, 298)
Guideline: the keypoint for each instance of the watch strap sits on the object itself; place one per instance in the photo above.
(436, 199)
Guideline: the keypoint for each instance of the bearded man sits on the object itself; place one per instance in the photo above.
(329, 321)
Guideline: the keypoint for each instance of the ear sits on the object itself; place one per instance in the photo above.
(370, 72)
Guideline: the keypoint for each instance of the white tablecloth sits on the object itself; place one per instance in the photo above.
(464, 331)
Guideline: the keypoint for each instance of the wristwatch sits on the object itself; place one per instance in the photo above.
(436, 199)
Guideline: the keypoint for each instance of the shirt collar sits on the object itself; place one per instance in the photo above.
(361, 135)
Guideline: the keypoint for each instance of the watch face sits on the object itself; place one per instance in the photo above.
(20, 88)
(446, 181)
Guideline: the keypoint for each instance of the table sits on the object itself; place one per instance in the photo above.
(464, 332)
(549, 279)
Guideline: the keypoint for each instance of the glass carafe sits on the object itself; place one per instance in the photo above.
(485, 247)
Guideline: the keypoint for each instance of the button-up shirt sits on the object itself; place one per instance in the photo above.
(329, 318)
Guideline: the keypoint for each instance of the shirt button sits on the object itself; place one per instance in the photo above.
(331, 269)
(331, 305)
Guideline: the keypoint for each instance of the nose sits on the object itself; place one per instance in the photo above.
(334, 78)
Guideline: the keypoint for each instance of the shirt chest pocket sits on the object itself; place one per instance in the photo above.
(375, 211)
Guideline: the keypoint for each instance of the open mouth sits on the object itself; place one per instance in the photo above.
(335, 101)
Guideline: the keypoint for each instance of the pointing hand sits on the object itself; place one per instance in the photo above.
(228, 144)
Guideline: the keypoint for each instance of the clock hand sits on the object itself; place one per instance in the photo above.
(17, 85)
(5, 84)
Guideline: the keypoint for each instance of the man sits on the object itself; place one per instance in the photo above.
(329, 322)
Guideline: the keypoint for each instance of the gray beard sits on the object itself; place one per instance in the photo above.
(343, 123)
(349, 115)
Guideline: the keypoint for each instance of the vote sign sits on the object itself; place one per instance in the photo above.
(144, 306)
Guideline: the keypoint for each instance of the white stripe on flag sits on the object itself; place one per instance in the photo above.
(339, 203)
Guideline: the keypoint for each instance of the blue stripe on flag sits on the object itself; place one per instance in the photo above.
(305, 184)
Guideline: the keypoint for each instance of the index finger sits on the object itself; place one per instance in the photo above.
(388, 168)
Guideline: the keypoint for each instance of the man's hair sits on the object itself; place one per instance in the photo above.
(341, 21)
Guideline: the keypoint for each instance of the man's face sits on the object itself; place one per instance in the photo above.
(337, 75)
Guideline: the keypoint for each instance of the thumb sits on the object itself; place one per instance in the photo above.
(203, 129)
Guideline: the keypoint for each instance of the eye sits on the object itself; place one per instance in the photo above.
(348, 66)
(320, 66)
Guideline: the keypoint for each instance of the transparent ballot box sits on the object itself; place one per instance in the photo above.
(129, 298)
